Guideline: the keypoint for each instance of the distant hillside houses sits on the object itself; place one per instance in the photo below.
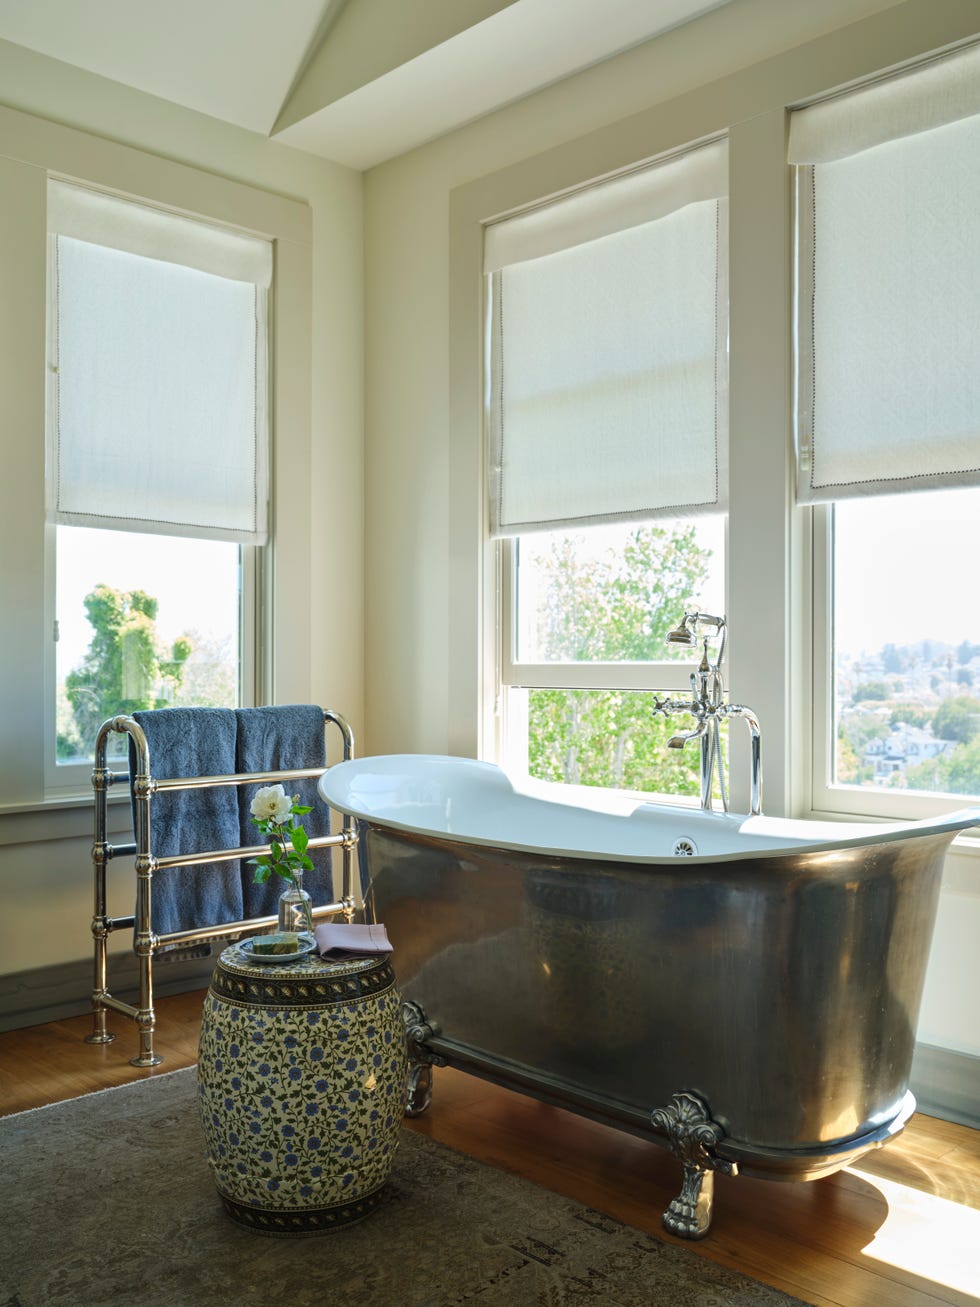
(905, 747)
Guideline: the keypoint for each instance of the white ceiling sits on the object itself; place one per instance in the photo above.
(350, 80)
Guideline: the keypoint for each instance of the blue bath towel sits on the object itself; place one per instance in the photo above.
(286, 736)
(193, 742)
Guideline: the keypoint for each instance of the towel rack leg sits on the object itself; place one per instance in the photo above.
(100, 929)
(146, 1056)
(100, 933)
(145, 1015)
(99, 1035)
(350, 826)
(143, 946)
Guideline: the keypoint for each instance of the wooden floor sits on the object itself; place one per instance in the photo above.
(900, 1229)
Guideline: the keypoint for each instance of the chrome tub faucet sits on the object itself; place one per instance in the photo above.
(709, 708)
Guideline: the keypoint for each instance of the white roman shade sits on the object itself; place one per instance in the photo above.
(888, 383)
(157, 351)
(609, 350)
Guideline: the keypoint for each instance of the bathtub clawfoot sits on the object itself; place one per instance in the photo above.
(418, 1091)
(692, 1135)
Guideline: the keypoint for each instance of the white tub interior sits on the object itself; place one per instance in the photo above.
(477, 802)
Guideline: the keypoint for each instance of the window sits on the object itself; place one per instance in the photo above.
(157, 463)
(888, 431)
(607, 430)
(592, 610)
(794, 512)
(903, 700)
(156, 624)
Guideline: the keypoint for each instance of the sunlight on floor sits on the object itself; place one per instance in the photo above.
(927, 1236)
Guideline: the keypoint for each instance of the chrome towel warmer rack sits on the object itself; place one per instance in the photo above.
(145, 943)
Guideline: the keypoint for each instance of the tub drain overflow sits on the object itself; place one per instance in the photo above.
(685, 848)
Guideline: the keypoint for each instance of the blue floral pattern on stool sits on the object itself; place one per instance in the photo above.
(301, 1084)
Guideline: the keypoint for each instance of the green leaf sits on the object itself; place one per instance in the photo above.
(262, 874)
(299, 809)
(307, 864)
(300, 839)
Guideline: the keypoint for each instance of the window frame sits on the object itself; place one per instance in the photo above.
(66, 780)
(34, 151)
(828, 798)
(768, 548)
(825, 797)
(510, 673)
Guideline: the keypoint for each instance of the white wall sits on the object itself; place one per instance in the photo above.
(423, 633)
(45, 850)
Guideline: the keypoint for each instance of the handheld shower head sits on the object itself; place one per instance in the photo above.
(682, 634)
(686, 632)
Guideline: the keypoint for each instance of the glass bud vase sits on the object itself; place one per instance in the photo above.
(295, 907)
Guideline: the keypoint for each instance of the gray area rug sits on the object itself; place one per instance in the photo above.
(109, 1199)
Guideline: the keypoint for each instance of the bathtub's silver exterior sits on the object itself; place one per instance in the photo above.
(784, 991)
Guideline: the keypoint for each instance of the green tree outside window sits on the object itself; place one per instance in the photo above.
(614, 608)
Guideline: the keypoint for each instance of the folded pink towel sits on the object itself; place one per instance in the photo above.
(340, 940)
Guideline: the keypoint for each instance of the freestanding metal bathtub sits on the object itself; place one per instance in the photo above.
(742, 989)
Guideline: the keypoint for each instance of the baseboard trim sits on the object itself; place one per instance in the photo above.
(946, 1084)
(32, 998)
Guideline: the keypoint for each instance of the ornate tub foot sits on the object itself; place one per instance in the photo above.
(692, 1135)
(418, 1088)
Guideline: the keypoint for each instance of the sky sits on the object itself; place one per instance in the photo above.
(907, 569)
(195, 582)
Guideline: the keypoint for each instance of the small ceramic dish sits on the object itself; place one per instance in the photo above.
(306, 946)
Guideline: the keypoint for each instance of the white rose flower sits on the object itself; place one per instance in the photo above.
(271, 803)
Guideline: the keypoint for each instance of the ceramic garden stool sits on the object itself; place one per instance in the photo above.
(301, 1082)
